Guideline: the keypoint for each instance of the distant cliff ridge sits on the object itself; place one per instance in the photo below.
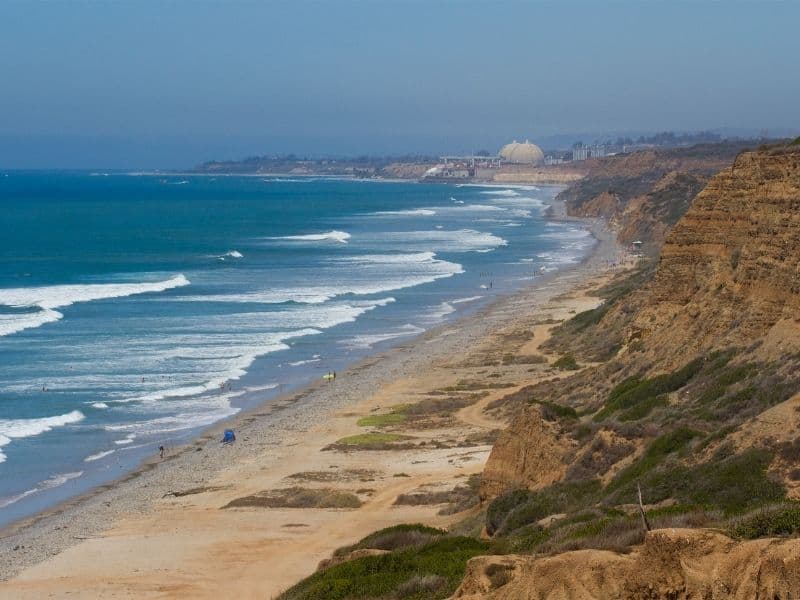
(643, 194)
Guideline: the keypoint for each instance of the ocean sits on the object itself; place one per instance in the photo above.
(136, 310)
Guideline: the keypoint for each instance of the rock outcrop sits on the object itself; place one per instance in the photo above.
(643, 194)
(730, 269)
(528, 454)
(672, 563)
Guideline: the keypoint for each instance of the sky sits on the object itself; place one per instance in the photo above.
(170, 84)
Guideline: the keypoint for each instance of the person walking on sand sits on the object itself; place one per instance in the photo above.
(161, 451)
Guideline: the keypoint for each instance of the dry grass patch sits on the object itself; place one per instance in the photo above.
(344, 474)
(458, 499)
(297, 497)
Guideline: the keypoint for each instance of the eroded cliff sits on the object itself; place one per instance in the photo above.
(695, 401)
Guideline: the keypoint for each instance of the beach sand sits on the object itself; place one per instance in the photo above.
(162, 531)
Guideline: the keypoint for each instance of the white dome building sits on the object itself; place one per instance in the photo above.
(522, 154)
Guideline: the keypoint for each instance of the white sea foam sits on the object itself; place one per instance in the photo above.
(99, 405)
(299, 363)
(60, 479)
(186, 414)
(439, 312)
(128, 439)
(98, 456)
(289, 180)
(15, 322)
(335, 236)
(369, 273)
(465, 300)
(360, 342)
(9, 500)
(49, 483)
(508, 193)
(232, 254)
(49, 298)
(11, 429)
(414, 212)
(571, 233)
(437, 240)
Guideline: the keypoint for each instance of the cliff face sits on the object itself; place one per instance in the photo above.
(730, 269)
(728, 277)
(672, 563)
(696, 403)
(643, 194)
(529, 454)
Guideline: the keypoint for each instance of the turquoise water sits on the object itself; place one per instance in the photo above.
(136, 310)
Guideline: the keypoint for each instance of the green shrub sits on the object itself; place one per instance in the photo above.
(394, 538)
(374, 577)
(561, 497)
(656, 452)
(499, 508)
(589, 317)
(733, 485)
(632, 391)
(643, 408)
(526, 539)
(772, 521)
(567, 362)
(553, 412)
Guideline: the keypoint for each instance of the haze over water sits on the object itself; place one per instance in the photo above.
(135, 310)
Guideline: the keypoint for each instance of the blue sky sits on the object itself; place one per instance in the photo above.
(148, 84)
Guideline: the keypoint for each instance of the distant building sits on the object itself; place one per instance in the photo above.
(522, 154)
(462, 167)
(582, 152)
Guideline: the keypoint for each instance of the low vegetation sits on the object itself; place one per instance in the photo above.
(566, 362)
(369, 441)
(382, 420)
(457, 499)
(297, 497)
(582, 336)
(769, 521)
(431, 570)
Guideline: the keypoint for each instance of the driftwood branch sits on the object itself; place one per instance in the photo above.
(641, 509)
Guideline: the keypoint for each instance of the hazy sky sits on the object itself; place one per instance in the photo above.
(172, 83)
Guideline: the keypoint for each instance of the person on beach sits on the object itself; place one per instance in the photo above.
(161, 451)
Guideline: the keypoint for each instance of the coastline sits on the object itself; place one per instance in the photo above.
(266, 433)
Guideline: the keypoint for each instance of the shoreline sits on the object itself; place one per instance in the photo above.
(268, 428)
(145, 459)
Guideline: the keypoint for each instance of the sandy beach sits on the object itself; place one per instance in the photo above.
(166, 530)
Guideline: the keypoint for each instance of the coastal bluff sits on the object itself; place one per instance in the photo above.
(696, 398)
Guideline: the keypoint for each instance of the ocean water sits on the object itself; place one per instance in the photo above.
(136, 310)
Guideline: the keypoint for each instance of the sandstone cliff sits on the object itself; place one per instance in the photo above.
(530, 454)
(696, 399)
(730, 269)
(643, 194)
(672, 563)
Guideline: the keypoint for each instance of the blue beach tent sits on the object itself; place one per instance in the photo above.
(229, 437)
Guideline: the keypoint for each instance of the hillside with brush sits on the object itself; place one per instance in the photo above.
(663, 460)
